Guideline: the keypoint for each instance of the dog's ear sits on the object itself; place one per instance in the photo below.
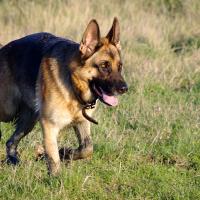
(91, 38)
(114, 34)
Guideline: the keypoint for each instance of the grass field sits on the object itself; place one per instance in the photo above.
(149, 146)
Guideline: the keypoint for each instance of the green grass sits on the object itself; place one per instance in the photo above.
(149, 146)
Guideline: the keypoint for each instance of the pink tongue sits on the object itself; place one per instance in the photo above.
(111, 100)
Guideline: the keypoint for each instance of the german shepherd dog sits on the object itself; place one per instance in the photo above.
(57, 81)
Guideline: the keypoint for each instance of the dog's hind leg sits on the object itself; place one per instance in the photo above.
(85, 148)
(24, 124)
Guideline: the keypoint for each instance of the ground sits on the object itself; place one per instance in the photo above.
(149, 146)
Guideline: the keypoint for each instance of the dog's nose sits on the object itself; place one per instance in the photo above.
(123, 88)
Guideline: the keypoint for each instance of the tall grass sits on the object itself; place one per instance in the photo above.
(147, 148)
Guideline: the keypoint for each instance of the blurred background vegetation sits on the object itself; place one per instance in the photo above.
(147, 148)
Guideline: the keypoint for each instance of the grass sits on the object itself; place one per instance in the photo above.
(146, 148)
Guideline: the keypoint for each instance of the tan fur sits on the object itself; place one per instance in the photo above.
(59, 108)
(54, 92)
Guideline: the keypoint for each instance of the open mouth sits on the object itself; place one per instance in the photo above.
(108, 99)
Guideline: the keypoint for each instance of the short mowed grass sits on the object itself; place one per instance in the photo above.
(149, 146)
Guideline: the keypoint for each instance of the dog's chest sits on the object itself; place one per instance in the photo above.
(66, 114)
(69, 114)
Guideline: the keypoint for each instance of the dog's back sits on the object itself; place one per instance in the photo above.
(19, 66)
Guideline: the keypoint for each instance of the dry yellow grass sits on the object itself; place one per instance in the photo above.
(140, 20)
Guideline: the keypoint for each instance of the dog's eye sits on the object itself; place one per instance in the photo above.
(105, 67)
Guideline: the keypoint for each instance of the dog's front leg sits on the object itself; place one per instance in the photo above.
(50, 133)
(85, 148)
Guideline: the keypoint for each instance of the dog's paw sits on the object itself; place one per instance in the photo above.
(13, 160)
(66, 153)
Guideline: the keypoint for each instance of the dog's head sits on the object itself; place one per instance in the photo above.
(102, 63)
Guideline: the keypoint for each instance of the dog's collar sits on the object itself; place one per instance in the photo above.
(87, 106)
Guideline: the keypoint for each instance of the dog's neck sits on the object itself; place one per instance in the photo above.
(80, 81)
(81, 87)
